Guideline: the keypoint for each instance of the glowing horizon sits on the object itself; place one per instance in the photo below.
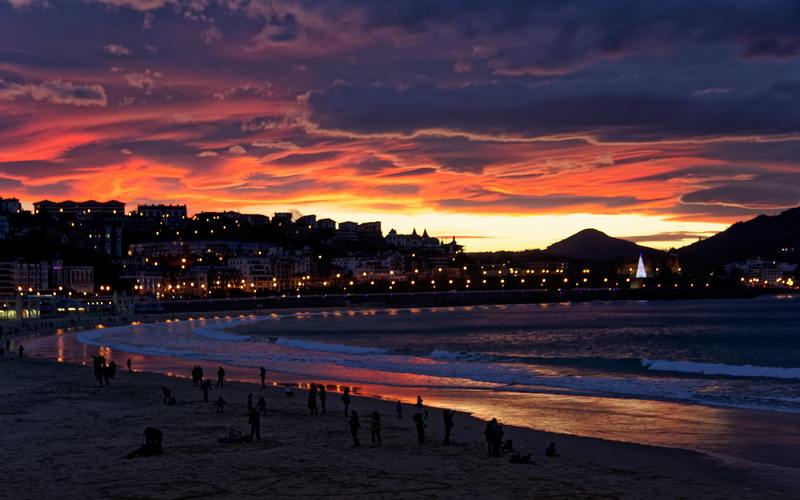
(509, 126)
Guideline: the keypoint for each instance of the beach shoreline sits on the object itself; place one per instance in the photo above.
(59, 403)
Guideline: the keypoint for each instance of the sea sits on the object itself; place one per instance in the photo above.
(717, 376)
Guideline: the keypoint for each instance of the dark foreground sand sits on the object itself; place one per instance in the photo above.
(64, 437)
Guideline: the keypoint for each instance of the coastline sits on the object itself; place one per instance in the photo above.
(75, 433)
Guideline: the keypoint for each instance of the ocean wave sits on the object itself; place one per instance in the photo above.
(309, 345)
(721, 369)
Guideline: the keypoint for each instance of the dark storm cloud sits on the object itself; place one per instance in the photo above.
(532, 111)
(547, 202)
(780, 192)
(666, 236)
(302, 159)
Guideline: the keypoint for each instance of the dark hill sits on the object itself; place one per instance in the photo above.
(763, 236)
(597, 245)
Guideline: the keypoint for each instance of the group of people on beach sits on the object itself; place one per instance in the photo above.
(494, 432)
(103, 372)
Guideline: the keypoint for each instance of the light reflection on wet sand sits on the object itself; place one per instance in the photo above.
(765, 437)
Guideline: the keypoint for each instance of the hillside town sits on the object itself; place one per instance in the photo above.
(70, 257)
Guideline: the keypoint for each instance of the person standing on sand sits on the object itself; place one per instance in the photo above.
(375, 427)
(355, 425)
(448, 424)
(220, 405)
(399, 409)
(262, 373)
(323, 395)
(419, 422)
(194, 376)
(205, 386)
(261, 406)
(312, 399)
(346, 400)
(130, 365)
(166, 393)
(489, 433)
(255, 425)
(220, 377)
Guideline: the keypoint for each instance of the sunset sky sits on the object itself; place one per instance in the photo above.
(509, 124)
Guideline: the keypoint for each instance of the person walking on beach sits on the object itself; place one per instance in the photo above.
(448, 424)
(375, 427)
(166, 393)
(220, 405)
(220, 377)
(346, 400)
(262, 374)
(312, 399)
(323, 396)
(398, 407)
(130, 365)
(261, 406)
(494, 437)
(489, 432)
(205, 386)
(355, 425)
(255, 425)
(98, 369)
(419, 422)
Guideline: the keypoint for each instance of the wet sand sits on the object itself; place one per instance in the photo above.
(65, 437)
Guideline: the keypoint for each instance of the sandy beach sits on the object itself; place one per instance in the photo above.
(65, 437)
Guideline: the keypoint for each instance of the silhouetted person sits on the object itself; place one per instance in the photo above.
(249, 402)
(346, 400)
(419, 402)
(166, 393)
(220, 377)
(447, 415)
(262, 373)
(355, 425)
(200, 373)
(323, 396)
(489, 433)
(419, 422)
(375, 427)
(97, 366)
(497, 438)
(205, 386)
(195, 378)
(551, 451)
(130, 365)
(220, 405)
(261, 406)
(255, 425)
(112, 370)
(20, 350)
(398, 407)
(312, 399)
